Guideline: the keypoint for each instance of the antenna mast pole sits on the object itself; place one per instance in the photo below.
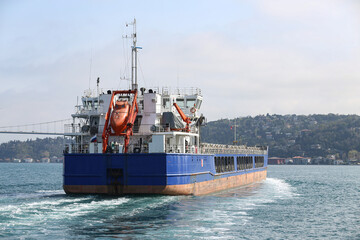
(134, 48)
(235, 133)
(235, 141)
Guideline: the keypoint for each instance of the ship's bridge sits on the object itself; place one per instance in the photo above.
(188, 99)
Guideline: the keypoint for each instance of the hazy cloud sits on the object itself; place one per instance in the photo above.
(251, 57)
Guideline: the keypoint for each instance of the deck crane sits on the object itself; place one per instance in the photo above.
(185, 118)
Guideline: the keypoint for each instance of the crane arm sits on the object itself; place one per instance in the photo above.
(185, 118)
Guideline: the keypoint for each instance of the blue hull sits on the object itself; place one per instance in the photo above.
(154, 173)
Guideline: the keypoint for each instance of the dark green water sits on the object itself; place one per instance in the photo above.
(295, 202)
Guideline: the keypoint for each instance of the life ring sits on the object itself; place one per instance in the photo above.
(193, 110)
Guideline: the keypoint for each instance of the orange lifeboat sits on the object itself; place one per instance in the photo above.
(119, 116)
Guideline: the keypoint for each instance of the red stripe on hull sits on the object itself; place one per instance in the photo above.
(199, 188)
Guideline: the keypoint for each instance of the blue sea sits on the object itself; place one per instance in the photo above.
(294, 202)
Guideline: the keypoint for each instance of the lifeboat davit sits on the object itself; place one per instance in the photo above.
(119, 116)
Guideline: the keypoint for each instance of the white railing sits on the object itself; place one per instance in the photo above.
(169, 148)
(161, 128)
(80, 109)
(84, 148)
(76, 148)
(177, 91)
(72, 128)
(211, 148)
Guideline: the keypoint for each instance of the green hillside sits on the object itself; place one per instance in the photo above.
(291, 135)
(36, 149)
(286, 136)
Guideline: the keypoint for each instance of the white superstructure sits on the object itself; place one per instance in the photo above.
(158, 126)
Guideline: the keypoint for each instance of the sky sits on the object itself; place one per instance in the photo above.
(248, 57)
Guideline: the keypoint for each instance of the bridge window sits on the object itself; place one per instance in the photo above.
(180, 102)
(166, 102)
(190, 102)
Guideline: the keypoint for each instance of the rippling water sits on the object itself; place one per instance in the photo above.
(295, 202)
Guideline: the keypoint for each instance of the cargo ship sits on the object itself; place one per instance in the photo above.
(147, 141)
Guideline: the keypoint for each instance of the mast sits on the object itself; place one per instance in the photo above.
(235, 141)
(134, 48)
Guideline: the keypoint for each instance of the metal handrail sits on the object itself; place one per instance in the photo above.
(211, 148)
